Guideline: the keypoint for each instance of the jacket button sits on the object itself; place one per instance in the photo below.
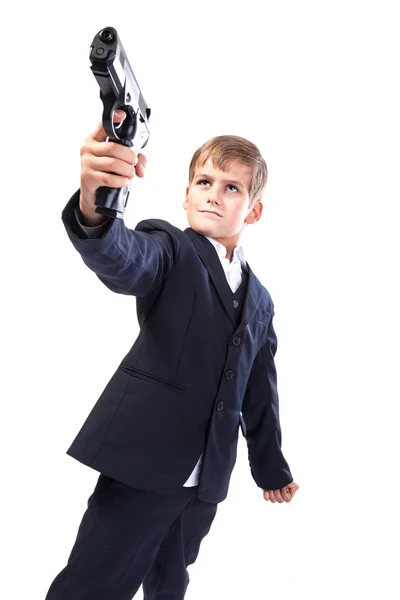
(229, 374)
(235, 303)
(220, 406)
(236, 341)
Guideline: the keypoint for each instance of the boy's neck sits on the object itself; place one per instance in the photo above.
(230, 246)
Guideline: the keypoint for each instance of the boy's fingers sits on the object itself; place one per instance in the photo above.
(142, 160)
(99, 133)
(119, 115)
(139, 170)
(140, 165)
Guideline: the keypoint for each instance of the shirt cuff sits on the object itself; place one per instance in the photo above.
(91, 232)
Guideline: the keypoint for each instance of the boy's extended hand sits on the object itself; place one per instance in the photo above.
(105, 164)
(283, 495)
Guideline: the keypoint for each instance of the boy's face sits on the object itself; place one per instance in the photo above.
(225, 193)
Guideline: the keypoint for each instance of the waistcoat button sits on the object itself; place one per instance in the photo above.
(220, 406)
(235, 303)
(236, 341)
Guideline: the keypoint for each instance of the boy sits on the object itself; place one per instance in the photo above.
(164, 432)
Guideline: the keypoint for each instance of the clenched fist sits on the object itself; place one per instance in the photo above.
(105, 164)
(283, 495)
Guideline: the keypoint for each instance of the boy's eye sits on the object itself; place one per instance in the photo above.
(230, 185)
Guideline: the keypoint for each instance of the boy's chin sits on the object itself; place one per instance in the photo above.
(209, 229)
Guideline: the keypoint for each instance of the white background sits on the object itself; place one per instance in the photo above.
(316, 86)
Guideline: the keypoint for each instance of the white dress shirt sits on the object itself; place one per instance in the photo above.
(233, 272)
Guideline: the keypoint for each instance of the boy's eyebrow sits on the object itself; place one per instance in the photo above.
(205, 176)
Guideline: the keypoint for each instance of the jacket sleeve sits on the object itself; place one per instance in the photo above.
(127, 261)
(260, 410)
(95, 231)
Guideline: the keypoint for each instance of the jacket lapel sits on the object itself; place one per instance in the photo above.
(211, 261)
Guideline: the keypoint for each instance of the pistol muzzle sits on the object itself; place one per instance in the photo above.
(107, 36)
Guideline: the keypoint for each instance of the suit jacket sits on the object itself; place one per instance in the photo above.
(180, 389)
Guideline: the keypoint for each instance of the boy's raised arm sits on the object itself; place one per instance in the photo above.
(127, 261)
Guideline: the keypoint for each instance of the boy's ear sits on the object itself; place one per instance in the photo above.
(186, 197)
(255, 213)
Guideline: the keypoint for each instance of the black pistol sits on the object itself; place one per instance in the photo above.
(118, 89)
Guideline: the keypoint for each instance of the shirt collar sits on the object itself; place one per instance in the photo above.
(238, 254)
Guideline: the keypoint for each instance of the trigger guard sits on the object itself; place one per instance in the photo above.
(125, 131)
(127, 128)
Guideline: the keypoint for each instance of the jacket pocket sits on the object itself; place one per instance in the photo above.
(169, 385)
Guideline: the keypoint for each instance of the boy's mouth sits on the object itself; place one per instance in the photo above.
(210, 212)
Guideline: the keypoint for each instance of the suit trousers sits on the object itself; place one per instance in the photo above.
(129, 537)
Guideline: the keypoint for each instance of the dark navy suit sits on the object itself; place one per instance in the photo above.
(201, 359)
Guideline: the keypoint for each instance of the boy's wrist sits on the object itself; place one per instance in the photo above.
(90, 218)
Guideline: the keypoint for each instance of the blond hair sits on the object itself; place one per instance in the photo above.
(223, 150)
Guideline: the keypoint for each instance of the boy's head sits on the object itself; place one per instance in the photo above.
(227, 176)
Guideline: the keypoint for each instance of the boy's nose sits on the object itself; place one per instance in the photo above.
(213, 194)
